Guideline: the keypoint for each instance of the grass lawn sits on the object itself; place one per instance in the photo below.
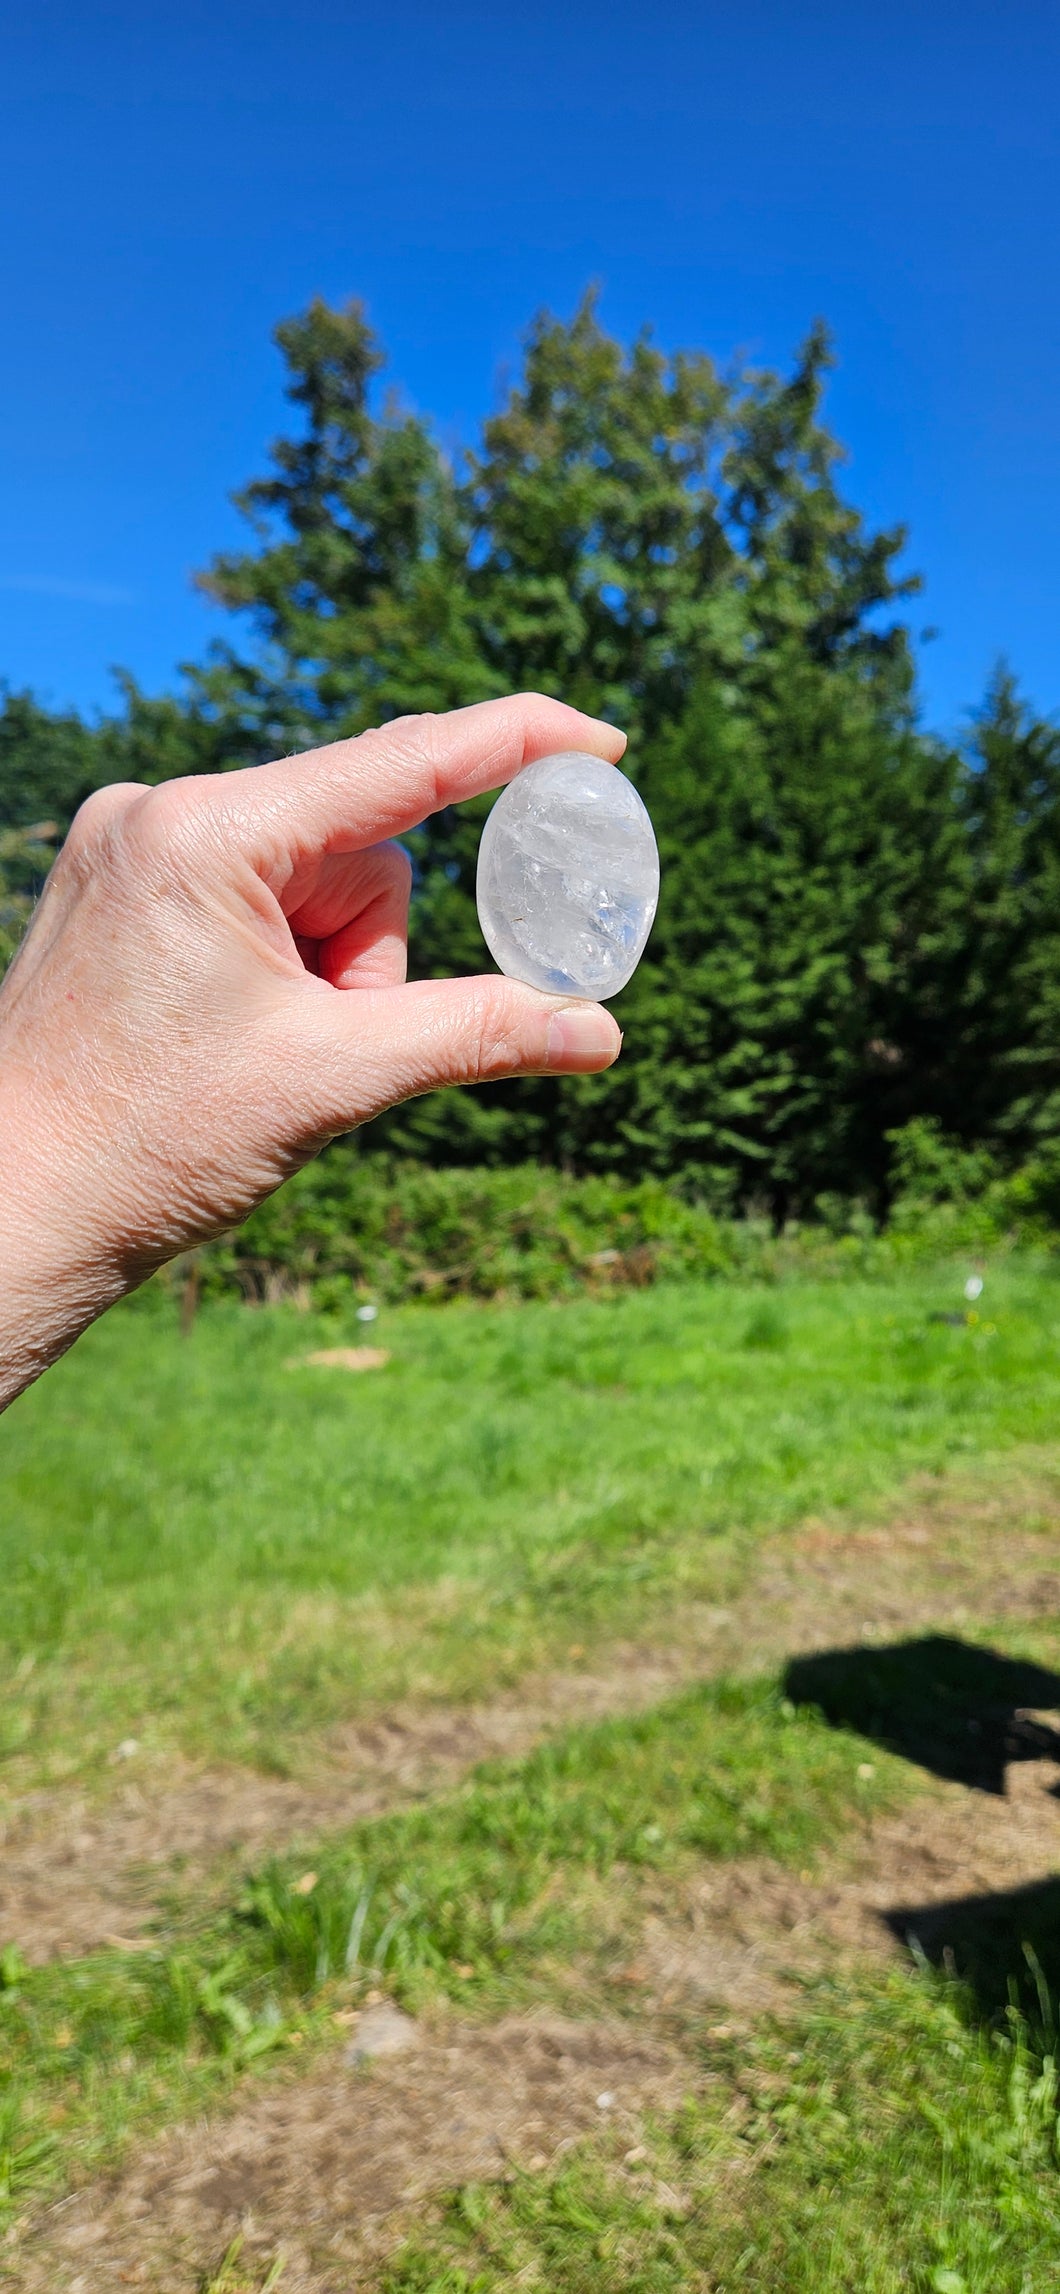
(486, 1897)
(210, 1546)
(205, 1548)
(872, 2140)
(873, 2146)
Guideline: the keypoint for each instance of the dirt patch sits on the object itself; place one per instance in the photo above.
(324, 2169)
(77, 1873)
(945, 1560)
(744, 1937)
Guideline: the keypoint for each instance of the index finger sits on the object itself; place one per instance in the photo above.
(380, 784)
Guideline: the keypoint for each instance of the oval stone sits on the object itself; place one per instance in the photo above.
(568, 877)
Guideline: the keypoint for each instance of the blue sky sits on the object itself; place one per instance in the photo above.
(175, 179)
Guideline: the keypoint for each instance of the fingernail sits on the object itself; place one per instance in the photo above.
(583, 1035)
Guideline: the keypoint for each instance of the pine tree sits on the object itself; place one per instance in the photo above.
(48, 762)
(357, 594)
(859, 926)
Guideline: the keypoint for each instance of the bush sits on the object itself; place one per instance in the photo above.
(399, 1230)
(948, 1196)
(356, 1225)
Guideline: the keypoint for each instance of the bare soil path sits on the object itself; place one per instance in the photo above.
(321, 2167)
(330, 2163)
(76, 1873)
(325, 2169)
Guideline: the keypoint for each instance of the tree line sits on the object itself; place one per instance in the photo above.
(859, 927)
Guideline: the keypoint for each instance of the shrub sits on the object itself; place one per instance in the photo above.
(355, 1225)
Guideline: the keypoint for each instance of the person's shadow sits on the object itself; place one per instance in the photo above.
(962, 1713)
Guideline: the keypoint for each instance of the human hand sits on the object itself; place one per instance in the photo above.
(214, 985)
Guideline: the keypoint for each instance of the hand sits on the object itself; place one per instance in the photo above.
(213, 986)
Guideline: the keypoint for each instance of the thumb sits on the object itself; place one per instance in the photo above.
(378, 1046)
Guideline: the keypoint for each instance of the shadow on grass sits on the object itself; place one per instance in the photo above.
(961, 1712)
(1004, 1948)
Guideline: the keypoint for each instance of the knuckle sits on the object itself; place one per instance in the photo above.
(423, 739)
(95, 818)
(498, 1034)
(166, 810)
(96, 827)
(415, 740)
(168, 825)
(137, 830)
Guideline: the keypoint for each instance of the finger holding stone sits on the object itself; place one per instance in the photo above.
(356, 793)
(359, 1054)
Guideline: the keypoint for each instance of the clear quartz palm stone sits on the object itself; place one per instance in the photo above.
(568, 877)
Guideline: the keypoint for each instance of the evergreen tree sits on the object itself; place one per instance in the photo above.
(859, 926)
(357, 596)
(26, 854)
(48, 762)
(662, 545)
(996, 1007)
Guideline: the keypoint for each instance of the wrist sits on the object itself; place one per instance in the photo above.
(55, 1273)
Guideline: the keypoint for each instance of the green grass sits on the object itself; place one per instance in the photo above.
(213, 1552)
(876, 2141)
(876, 2145)
(206, 1549)
(485, 1897)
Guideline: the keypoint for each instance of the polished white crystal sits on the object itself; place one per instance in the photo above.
(568, 877)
